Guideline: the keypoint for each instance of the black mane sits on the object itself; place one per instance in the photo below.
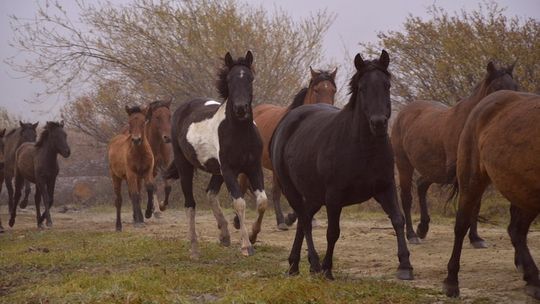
(133, 110)
(156, 105)
(221, 83)
(298, 99)
(45, 133)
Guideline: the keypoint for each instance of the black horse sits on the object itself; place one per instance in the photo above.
(37, 163)
(326, 156)
(222, 140)
(26, 132)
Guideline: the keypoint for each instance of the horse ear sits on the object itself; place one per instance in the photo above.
(249, 58)
(62, 123)
(34, 126)
(2, 133)
(168, 102)
(491, 69)
(145, 110)
(127, 110)
(21, 123)
(228, 60)
(314, 74)
(333, 74)
(358, 62)
(384, 60)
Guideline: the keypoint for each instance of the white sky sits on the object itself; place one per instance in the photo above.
(356, 21)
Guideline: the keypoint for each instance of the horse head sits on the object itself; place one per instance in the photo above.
(499, 78)
(322, 87)
(235, 84)
(159, 118)
(370, 89)
(136, 123)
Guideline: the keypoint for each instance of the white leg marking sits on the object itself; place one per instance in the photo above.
(262, 203)
(157, 211)
(192, 234)
(239, 205)
(224, 237)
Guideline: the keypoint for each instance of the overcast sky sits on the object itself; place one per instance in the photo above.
(356, 21)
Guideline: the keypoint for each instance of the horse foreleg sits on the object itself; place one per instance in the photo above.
(50, 188)
(37, 201)
(27, 190)
(388, 201)
(117, 187)
(332, 235)
(211, 192)
(15, 201)
(256, 179)
(423, 227)
(185, 170)
(150, 190)
(134, 188)
(239, 205)
(276, 197)
(167, 189)
(9, 187)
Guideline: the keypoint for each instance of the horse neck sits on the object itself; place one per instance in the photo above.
(47, 150)
(309, 99)
(461, 110)
(354, 121)
(154, 137)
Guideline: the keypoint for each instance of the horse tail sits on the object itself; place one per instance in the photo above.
(298, 99)
(171, 172)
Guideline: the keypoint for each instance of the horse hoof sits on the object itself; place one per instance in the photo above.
(421, 232)
(236, 222)
(23, 204)
(415, 241)
(225, 241)
(282, 227)
(249, 251)
(148, 213)
(293, 272)
(11, 222)
(138, 224)
(405, 274)
(315, 269)
(253, 238)
(328, 275)
(157, 214)
(533, 291)
(162, 207)
(49, 224)
(481, 244)
(118, 229)
(194, 255)
(519, 268)
(450, 290)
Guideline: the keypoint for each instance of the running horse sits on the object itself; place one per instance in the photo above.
(500, 145)
(221, 138)
(38, 163)
(326, 156)
(321, 89)
(425, 138)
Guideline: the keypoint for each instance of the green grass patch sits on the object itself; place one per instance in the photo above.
(108, 267)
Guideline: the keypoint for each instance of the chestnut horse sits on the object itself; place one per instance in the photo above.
(321, 89)
(500, 144)
(38, 163)
(425, 137)
(131, 159)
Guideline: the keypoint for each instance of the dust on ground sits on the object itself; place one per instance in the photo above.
(367, 247)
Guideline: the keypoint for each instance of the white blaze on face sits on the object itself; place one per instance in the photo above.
(242, 73)
(211, 102)
(203, 136)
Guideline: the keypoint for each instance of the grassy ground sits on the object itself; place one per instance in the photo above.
(107, 267)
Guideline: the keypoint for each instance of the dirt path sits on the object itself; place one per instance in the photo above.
(366, 248)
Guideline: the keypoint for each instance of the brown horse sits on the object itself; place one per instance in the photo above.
(425, 137)
(500, 144)
(131, 159)
(38, 163)
(321, 89)
(26, 132)
(158, 131)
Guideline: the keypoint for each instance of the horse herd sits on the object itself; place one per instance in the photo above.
(319, 155)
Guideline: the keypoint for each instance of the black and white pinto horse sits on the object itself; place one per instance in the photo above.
(223, 140)
(326, 156)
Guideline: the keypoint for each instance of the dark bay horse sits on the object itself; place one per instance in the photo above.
(500, 144)
(131, 159)
(26, 132)
(326, 156)
(425, 137)
(223, 140)
(321, 89)
(37, 163)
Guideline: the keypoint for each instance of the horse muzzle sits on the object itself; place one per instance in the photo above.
(166, 139)
(65, 153)
(136, 140)
(378, 125)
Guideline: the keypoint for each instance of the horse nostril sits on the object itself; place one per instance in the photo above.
(379, 122)
(166, 139)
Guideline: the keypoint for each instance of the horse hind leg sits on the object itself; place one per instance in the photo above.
(185, 170)
(167, 190)
(37, 201)
(19, 181)
(276, 200)
(422, 188)
(27, 190)
(475, 239)
(518, 230)
(134, 193)
(405, 171)
(211, 192)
